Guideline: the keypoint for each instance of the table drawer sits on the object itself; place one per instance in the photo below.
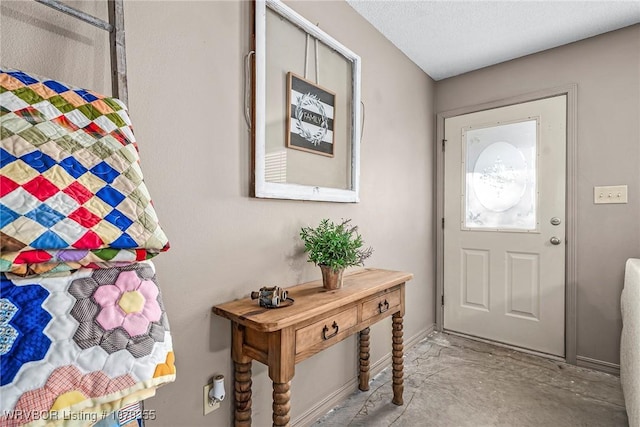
(387, 302)
(330, 328)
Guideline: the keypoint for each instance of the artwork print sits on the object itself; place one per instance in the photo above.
(310, 118)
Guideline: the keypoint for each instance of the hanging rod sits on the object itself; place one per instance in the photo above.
(115, 28)
(89, 19)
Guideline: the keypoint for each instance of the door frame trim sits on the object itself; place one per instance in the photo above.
(571, 265)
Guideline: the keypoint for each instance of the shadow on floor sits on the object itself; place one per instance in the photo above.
(451, 381)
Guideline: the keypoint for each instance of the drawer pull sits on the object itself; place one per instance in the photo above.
(326, 329)
(383, 306)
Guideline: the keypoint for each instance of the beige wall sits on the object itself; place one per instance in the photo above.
(285, 44)
(607, 72)
(185, 63)
(54, 45)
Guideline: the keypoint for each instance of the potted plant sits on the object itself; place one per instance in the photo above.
(334, 247)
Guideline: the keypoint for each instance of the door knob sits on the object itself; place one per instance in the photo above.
(554, 240)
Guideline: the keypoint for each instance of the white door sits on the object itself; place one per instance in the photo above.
(504, 230)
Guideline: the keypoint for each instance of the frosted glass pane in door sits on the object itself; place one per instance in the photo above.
(500, 178)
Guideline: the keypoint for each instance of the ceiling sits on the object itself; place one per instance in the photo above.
(448, 38)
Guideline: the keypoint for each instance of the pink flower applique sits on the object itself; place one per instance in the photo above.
(119, 308)
(131, 303)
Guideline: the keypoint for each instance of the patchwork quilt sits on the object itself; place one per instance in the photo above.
(72, 192)
(86, 342)
(83, 330)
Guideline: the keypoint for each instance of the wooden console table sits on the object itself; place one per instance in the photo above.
(319, 318)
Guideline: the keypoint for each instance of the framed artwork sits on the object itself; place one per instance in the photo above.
(306, 137)
(310, 116)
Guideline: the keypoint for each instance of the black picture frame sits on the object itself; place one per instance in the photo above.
(310, 116)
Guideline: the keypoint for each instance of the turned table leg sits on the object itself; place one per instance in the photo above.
(242, 395)
(397, 358)
(364, 360)
(241, 378)
(281, 404)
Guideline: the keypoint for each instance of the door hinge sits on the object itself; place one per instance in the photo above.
(443, 299)
(443, 143)
(443, 223)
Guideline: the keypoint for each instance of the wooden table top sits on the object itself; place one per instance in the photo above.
(311, 299)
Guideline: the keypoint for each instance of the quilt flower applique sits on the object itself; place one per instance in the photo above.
(67, 386)
(119, 308)
(131, 303)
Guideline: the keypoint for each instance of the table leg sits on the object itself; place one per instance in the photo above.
(242, 388)
(281, 360)
(364, 360)
(241, 378)
(281, 404)
(398, 362)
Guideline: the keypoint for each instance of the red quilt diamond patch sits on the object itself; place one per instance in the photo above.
(41, 188)
(84, 217)
(78, 192)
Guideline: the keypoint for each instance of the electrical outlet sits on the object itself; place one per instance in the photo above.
(209, 405)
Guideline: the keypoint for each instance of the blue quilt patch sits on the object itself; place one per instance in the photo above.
(23, 321)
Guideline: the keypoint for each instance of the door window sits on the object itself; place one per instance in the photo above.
(500, 182)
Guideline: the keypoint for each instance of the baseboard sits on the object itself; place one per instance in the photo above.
(598, 365)
(311, 415)
(509, 346)
(419, 336)
(315, 412)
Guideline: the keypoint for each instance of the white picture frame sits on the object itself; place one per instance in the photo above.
(283, 190)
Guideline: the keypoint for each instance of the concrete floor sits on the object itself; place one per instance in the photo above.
(451, 381)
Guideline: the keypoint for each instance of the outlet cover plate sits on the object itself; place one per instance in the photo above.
(207, 407)
(610, 194)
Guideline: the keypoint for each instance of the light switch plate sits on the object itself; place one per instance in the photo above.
(610, 194)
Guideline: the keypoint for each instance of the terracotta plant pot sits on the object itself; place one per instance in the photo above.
(331, 279)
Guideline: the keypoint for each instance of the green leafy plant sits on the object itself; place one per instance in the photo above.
(335, 245)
